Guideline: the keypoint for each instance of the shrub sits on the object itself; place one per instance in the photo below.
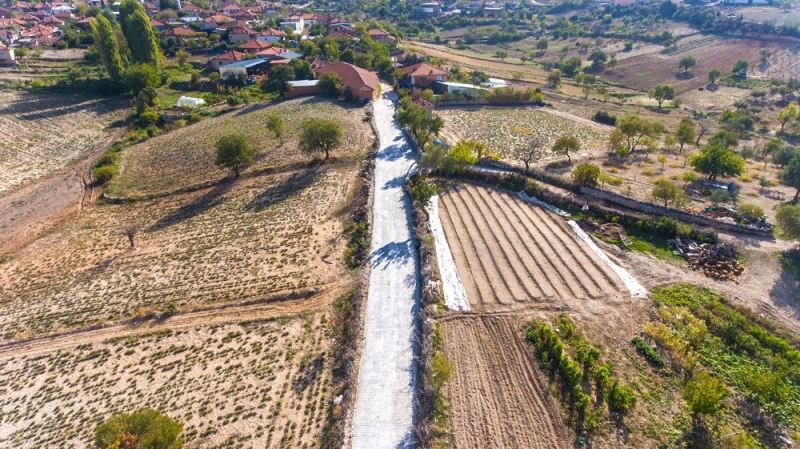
(648, 352)
(143, 429)
(605, 118)
(104, 173)
(586, 174)
(422, 190)
(750, 211)
(621, 399)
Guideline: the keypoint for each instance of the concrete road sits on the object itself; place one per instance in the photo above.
(384, 408)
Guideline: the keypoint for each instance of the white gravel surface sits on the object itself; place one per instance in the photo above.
(455, 296)
(384, 408)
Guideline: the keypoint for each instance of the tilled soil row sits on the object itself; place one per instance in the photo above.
(510, 253)
(498, 396)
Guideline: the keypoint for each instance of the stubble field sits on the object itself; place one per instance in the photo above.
(252, 384)
(185, 157)
(40, 134)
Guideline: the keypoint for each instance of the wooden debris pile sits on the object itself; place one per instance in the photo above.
(614, 231)
(718, 261)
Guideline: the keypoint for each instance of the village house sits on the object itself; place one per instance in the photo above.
(239, 34)
(182, 32)
(254, 46)
(380, 35)
(422, 75)
(270, 35)
(225, 58)
(362, 84)
(7, 55)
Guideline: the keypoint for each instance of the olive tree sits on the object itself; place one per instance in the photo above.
(320, 135)
(234, 152)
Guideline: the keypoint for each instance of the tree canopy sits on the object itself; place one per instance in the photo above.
(107, 46)
(788, 219)
(141, 38)
(320, 135)
(566, 145)
(233, 152)
(716, 160)
(143, 429)
(791, 175)
(420, 122)
(278, 80)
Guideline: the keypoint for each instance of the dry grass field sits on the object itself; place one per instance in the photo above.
(251, 238)
(252, 384)
(510, 254)
(41, 133)
(499, 397)
(185, 157)
(507, 131)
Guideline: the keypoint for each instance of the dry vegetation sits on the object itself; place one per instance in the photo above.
(254, 384)
(42, 133)
(185, 157)
(252, 238)
(507, 131)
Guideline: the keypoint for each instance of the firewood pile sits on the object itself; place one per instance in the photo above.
(718, 261)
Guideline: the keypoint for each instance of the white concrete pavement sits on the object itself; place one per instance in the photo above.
(384, 407)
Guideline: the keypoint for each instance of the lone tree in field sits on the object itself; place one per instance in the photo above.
(788, 114)
(541, 46)
(586, 174)
(685, 133)
(791, 176)
(666, 191)
(687, 63)
(740, 69)
(716, 160)
(554, 78)
(713, 76)
(320, 135)
(662, 93)
(143, 429)
(275, 125)
(788, 219)
(233, 152)
(534, 148)
(566, 145)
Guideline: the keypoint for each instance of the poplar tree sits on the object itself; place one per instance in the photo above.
(142, 40)
(107, 46)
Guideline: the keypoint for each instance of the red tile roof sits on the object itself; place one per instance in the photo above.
(422, 69)
(358, 80)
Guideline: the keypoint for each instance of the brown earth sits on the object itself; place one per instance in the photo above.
(499, 397)
(510, 254)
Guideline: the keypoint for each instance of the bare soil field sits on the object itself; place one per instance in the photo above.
(512, 255)
(251, 238)
(251, 384)
(40, 134)
(507, 131)
(185, 157)
(499, 397)
(646, 70)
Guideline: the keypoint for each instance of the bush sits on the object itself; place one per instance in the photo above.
(143, 429)
(750, 211)
(648, 352)
(621, 399)
(104, 173)
(586, 174)
(422, 190)
(605, 118)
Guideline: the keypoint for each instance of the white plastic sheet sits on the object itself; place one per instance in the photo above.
(455, 297)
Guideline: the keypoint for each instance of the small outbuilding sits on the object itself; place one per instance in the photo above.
(244, 68)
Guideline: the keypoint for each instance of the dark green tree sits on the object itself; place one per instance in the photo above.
(278, 81)
(791, 176)
(107, 46)
(320, 135)
(143, 429)
(716, 160)
(142, 40)
(233, 152)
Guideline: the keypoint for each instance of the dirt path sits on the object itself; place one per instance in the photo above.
(29, 211)
(383, 416)
(227, 313)
(499, 397)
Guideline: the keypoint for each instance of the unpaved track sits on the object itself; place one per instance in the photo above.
(383, 416)
(208, 316)
(29, 211)
(510, 254)
(499, 398)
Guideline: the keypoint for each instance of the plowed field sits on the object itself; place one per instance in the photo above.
(499, 397)
(510, 254)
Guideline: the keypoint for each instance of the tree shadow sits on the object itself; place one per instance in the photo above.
(390, 253)
(785, 292)
(36, 107)
(684, 75)
(393, 152)
(281, 191)
(196, 207)
(395, 182)
(308, 373)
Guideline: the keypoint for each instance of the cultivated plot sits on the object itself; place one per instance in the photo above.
(255, 384)
(40, 134)
(498, 396)
(252, 238)
(512, 255)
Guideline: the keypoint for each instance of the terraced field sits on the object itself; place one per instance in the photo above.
(512, 255)
(499, 398)
(254, 384)
(252, 238)
(40, 134)
(185, 157)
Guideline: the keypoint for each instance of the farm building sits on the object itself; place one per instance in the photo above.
(458, 88)
(243, 69)
(361, 83)
(303, 87)
(225, 58)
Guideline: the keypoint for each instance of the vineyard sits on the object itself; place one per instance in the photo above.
(510, 254)
(255, 384)
(40, 134)
(509, 131)
(185, 157)
(256, 237)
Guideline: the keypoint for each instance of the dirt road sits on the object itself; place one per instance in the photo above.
(383, 416)
(29, 211)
